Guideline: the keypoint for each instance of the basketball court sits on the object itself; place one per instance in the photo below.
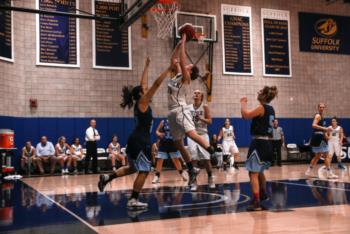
(65, 63)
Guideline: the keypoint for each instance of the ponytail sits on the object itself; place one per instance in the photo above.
(130, 94)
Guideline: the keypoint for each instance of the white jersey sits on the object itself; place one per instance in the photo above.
(201, 127)
(77, 149)
(177, 92)
(228, 133)
(61, 150)
(115, 148)
(334, 135)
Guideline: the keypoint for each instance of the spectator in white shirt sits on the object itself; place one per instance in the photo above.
(44, 154)
(91, 137)
(77, 153)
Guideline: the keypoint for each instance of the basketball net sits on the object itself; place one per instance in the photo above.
(164, 14)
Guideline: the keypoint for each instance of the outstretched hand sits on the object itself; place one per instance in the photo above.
(244, 100)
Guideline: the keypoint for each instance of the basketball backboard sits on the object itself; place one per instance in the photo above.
(204, 24)
(134, 9)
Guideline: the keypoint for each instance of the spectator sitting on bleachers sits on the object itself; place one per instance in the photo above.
(115, 154)
(28, 155)
(44, 154)
(77, 153)
(62, 154)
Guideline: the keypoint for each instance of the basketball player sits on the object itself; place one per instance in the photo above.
(166, 149)
(318, 143)
(201, 118)
(229, 146)
(139, 142)
(180, 119)
(335, 141)
(260, 150)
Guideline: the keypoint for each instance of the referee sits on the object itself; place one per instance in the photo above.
(277, 142)
(91, 137)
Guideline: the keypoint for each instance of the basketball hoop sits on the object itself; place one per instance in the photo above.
(164, 14)
(200, 38)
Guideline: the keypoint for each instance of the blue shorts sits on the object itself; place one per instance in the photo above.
(165, 155)
(141, 163)
(259, 155)
(322, 148)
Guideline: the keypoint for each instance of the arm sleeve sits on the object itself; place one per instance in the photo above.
(98, 137)
(37, 150)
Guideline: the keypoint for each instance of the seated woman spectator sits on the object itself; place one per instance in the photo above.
(76, 154)
(44, 154)
(28, 155)
(115, 154)
(62, 154)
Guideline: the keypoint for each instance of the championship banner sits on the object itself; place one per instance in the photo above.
(111, 46)
(57, 36)
(276, 43)
(237, 40)
(323, 33)
(6, 33)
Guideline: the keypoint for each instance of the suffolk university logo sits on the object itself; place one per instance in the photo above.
(325, 38)
(326, 27)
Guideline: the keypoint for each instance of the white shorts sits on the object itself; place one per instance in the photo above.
(334, 148)
(198, 152)
(180, 122)
(228, 145)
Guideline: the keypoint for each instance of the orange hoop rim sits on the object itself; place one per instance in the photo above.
(155, 8)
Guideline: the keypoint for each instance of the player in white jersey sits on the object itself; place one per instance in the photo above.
(335, 141)
(201, 117)
(229, 146)
(180, 119)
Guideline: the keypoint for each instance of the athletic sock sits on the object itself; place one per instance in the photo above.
(262, 191)
(180, 171)
(256, 196)
(210, 150)
(157, 173)
(111, 177)
(189, 166)
(134, 195)
(209, 174)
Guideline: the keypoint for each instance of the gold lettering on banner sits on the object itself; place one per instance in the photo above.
(327, 30)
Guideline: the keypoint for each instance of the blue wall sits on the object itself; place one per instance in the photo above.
(296, 129)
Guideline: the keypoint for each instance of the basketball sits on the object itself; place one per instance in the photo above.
(189, 30)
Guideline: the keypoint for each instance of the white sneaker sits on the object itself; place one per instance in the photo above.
(211, 183)
(134, 204)
(63, 171)
(331, 175)
(66, 171)
(183, 176)
(194, 187)
(308, 172)
(155, 180)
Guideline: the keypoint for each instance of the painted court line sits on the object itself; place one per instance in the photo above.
(63, 208)
(307, 185)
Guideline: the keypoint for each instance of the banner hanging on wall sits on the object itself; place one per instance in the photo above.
(111, 46)
(58, 36)
(323, 33)
(6, 33)
(276, 43)
(237, 39)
